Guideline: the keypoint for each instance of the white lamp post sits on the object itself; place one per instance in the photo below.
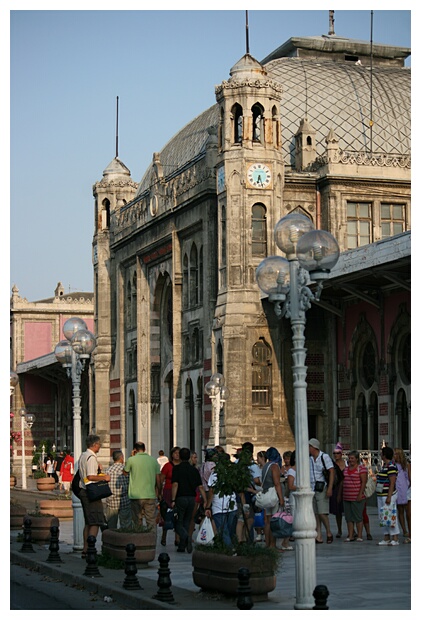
(72, 354)
(26, 419)
(218, 393)
(310, 255)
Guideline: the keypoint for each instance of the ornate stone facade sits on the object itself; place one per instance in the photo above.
(175, 255)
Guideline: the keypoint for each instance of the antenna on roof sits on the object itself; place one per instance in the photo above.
(331, 22)
(247, 33)
(116, 132)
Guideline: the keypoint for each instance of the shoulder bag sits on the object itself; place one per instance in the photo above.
(370, 486)
(268, 498)
(98, 490)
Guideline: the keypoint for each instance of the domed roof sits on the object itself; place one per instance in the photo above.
(329, 94)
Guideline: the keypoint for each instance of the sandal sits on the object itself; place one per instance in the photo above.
(349, 540)
(407, 541)
(319, 542)
(329, 539)
(369, 537)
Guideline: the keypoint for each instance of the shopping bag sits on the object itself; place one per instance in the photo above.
(205, 534)
(259, 519)
(388, 515)
(281, 525)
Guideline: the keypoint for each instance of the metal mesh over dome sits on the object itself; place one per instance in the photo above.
(337, 95)
(330, 95)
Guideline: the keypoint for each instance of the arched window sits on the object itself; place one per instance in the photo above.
(134, 300)
(186, 350)
(194, 277)
(258, 230)
(190, 413)
(196, 345)
(261, 374)
(402, 414)
(257, 112)
(106, 214)
(129, 306)
(219, 358)
(374, 422)
(237, 113)
(275, 134)
(223, 237)
(362, 415)
(201, 275)
(221, 128)
(185, 285)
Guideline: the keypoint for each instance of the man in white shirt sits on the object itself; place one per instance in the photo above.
(222, 509)
(319, 462)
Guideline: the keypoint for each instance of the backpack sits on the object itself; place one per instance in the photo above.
(75, 484)
(339, 476)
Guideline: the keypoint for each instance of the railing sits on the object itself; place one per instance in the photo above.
(374, 458)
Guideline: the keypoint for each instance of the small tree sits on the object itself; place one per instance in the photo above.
(234, 478)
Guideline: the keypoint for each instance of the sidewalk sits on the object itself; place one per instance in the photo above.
(357, 575)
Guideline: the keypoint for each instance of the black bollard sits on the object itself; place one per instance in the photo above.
(27, 537)
(164, 582)
(131, 582)
(244, 599)
(54, 555)
(320, 594)
(91, 559)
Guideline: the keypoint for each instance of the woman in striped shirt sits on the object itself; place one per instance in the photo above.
(352, 492)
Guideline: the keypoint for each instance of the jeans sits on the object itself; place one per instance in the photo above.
(185, 507)
(226, 523)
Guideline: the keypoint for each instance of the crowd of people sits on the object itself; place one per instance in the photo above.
(145, 488)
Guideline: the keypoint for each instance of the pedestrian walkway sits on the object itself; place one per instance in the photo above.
(357, 575)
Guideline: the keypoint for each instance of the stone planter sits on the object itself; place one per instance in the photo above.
(61, 508)
(17, 514)
(114, 543)
(215, 572)
(46, 484)
(40, 527)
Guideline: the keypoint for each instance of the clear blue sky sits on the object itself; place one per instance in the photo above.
(66, 69)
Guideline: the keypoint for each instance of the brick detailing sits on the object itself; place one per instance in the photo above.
(114, 383)
(383, 386)
(115, 424)
(383, 408)
(383, 429)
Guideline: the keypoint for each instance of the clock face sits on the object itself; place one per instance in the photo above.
(259, 176)
(221, 179)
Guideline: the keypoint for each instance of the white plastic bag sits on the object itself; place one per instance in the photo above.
(205, 535)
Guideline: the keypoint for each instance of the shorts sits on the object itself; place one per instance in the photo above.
(321, 503)
(93, 512)
(354, 511)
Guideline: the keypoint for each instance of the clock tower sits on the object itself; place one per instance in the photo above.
(250, 178)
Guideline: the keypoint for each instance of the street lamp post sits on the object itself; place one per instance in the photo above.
(310, 255)
(218, 393)
(26, 419)
(72, 354)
